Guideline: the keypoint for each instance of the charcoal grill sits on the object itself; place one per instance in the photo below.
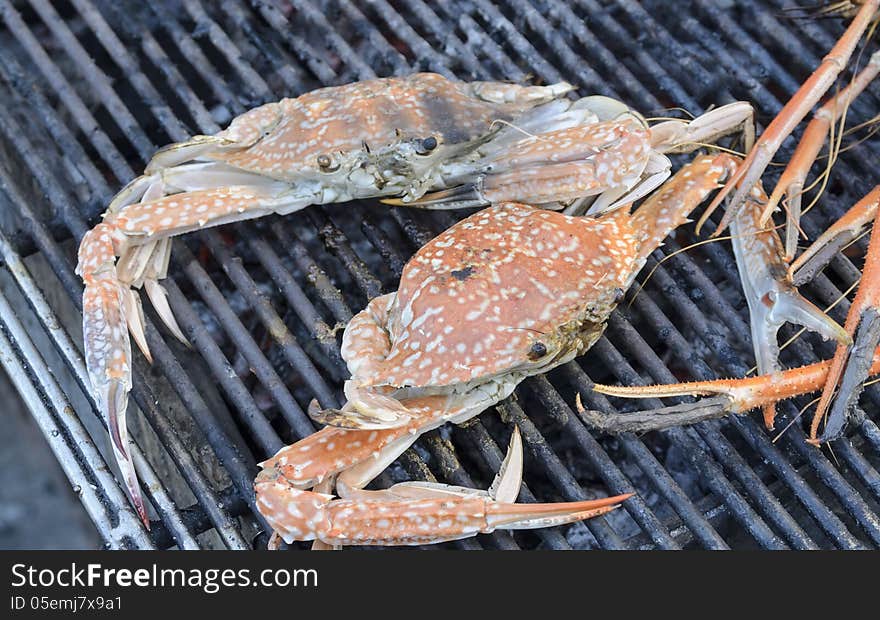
(90, 88)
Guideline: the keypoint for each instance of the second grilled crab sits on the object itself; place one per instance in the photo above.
(511, 291)
(470, 144)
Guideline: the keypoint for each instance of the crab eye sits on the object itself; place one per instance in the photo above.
(427, 145)
(325, 163)
(537, 351)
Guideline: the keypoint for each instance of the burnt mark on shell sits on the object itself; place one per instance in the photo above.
(463, 274)
(457, 117)
(778, 270)
(442, 115)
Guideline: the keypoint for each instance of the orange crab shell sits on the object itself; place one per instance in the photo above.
(511, 287)
(362, 116)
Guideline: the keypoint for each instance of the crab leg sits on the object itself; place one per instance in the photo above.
(111, 309)
(332, 450)
(553, 166)
(670, 207)
(791, 183)
(841, 233)
(414, 513)
(679, 136)
(107, 348)
(615, 157)
(852, 361)
(141, 264)
(359, 454)
(788, 118)
(772, 298)
(848, 367)
(500, 92)
(734, 396)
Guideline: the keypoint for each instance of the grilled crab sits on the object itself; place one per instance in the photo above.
(470, 144)
(511, 291)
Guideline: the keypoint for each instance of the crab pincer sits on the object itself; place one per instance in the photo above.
(851, 363)
(414, 513)
(768, 288)
(773, 300)
(728, 396)
(108, 350)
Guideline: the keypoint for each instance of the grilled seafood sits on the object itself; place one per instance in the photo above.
(511, 291)
(469, 144)
(854, 357)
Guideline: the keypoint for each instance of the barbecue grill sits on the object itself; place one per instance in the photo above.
(90, 88)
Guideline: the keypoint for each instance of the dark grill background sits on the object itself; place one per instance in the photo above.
(89, 89)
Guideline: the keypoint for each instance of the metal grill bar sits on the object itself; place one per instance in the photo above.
(215, 61)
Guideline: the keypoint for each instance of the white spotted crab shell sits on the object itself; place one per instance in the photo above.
(344, 123)
(511, 288)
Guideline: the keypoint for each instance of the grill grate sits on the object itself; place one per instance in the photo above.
(92, 87)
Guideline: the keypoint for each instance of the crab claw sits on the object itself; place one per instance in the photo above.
(107, 360)
(555, 166)
(772, 298)
(413, 513)
(115, 398)
(849, 367)
(729, 396)
(107, 347)
(534, 516)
